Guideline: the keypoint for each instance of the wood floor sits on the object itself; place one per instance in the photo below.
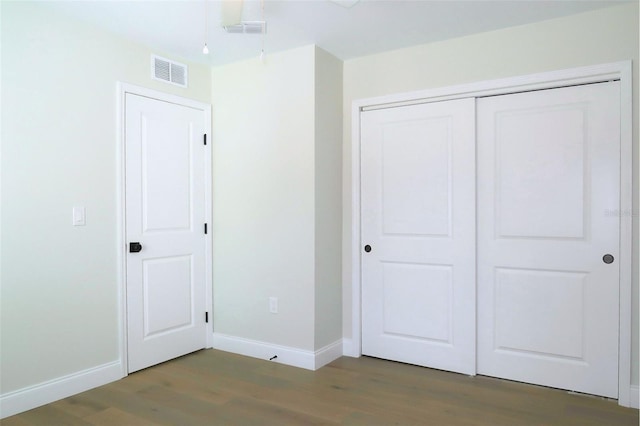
(217, 388)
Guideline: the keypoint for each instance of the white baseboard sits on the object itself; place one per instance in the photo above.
(328, 354)
(634, 396)
(44, 393)
(310, 360)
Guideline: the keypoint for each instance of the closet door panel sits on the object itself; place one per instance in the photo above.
(548, 173)
(418, 220)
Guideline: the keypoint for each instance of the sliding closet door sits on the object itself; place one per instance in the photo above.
(548, 237)
(418, 234)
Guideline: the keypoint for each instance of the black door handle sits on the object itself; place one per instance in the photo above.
(135, 247)
(607, 258)
(367, 248)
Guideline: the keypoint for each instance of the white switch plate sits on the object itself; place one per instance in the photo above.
(273, 305)
(79, 216)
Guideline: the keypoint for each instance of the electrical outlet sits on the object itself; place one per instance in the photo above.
(273, 305)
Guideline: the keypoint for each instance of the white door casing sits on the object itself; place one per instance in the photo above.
(548, 185)
(418, 217)
(166, 210)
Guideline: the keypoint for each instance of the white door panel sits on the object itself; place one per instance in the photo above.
(548, 171)
(165, 212)
(418, 216)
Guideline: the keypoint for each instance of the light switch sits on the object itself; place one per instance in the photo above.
(79, 216)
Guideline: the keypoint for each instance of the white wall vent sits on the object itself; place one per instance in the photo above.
(168, 71)
(247, 27)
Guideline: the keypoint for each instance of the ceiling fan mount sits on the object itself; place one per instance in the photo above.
(232, 14)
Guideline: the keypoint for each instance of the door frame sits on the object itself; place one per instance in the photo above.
(122, 90)
(621, 71)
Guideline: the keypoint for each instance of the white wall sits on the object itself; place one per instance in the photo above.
(263, 198)
(59, 304)
(328, 187)
(276, 202)
(606, 35)
(276, 174)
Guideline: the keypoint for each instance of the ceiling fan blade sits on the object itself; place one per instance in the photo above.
(231, 12)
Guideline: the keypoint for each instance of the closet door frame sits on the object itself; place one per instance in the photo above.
(621, 71)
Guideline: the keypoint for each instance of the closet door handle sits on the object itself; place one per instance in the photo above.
(367, 248)
(607, 258)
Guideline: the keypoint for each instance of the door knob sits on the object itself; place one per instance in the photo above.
(135, 247)
(367, 248)
(607, 258)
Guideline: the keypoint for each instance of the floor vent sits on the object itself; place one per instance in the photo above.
(168, 71)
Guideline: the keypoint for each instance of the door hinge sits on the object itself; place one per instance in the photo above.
(206, 317)
(205, 138)
(205, 228)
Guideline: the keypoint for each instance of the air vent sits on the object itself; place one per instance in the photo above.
(247, 27)
(168, 71)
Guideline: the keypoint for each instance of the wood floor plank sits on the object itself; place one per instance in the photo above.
(200, 386)
(217, 388)
(50, 415)
(137, 405)
(115, 417)
(250, 411)
(79, 407)
(15, 421)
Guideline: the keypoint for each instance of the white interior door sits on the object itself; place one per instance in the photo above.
(165, 214)
(418, 219)
(548, 174)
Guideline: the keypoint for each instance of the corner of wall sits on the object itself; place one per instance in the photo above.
(634, 397)
(328, 197)
(309, 360)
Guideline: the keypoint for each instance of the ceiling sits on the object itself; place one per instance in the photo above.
(367, 27)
